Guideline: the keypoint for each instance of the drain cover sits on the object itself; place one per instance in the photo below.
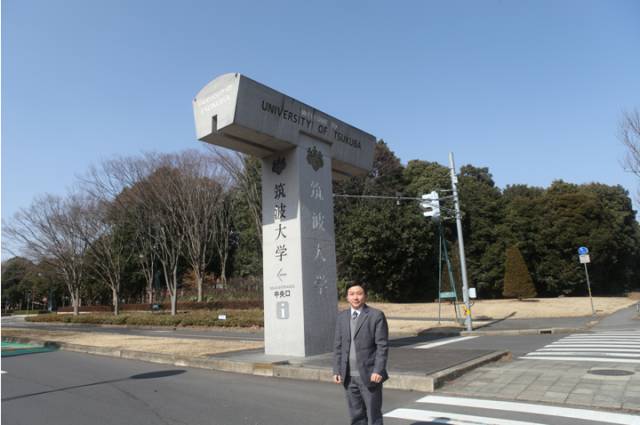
(611, 372)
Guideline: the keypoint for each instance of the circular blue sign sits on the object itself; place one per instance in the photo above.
(583, 250)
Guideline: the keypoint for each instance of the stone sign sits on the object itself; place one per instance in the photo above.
(301, 149)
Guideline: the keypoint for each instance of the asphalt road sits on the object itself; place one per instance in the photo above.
(70, 388)
(518, 344)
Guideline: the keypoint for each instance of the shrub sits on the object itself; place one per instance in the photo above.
(189, 305)
(30, 312)
(517, 280)
(235, 318)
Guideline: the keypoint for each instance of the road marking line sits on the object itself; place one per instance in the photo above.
(631, 340)
(634, 332)
(447, 341)
(594, 344)
(578, 353)
(630, 344)
(580, 359)
(2, 372)
(602, 338)
(630, 334)
(435, 417)
(622, 350)
(635, 338)
(512, 406)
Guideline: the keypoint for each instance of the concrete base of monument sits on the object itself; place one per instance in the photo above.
(409, 369)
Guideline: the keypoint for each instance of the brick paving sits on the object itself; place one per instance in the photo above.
(559, 382)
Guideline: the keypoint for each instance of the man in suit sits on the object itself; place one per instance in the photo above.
(360, 356)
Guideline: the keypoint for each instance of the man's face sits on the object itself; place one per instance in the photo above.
(356, 297)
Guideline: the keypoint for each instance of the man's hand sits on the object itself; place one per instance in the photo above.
(377, 378)
(337, 379)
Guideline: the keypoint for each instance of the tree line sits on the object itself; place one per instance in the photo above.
(137, 228)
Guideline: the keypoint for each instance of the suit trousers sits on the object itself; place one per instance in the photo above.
(364, 402)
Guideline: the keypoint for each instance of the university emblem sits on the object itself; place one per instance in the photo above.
(279, 164)
(314, 158)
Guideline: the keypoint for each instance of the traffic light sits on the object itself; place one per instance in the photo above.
(431, 205)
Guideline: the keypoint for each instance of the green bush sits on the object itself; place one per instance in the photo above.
(235, 318)
(29, 312)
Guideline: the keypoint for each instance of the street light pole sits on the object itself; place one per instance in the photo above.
(463, 261)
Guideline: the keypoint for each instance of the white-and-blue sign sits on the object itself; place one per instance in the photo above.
(583, 250)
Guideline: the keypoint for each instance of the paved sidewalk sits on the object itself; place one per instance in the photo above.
(560, 382)
(594, 382)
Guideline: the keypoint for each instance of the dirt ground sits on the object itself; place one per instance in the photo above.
(175, 346)
(525, 309)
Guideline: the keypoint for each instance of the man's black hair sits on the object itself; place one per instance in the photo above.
(356, 283)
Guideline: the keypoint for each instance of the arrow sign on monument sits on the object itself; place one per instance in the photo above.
(280, 275)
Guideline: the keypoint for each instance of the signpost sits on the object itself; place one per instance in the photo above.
(583, 253)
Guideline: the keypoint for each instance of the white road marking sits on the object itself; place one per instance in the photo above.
(588, 345)
(602, 338)
(435, 417)
(2, 372)
(578, 353)
(631, 333)
(580, 359)
(597, 341)
(630, 340)
(567, 412)
(446, 341)
(623, 350)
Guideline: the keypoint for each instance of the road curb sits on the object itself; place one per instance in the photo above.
(397, 380)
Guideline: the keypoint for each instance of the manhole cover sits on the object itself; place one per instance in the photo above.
(611, 372)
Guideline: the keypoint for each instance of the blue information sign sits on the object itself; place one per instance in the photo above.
(583, 250)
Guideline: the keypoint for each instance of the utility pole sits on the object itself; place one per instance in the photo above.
(463, 261)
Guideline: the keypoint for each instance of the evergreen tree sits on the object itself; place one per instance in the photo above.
(482, 215)
(517, 280)
(389, 246)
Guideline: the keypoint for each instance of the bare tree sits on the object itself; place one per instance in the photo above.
(201, 187)
(114, 181)
(163, 203)
(147, 257)
(109, 247)
(176, 203)
(223, 222)
(51, 231)
(245, 173)
(630, 137)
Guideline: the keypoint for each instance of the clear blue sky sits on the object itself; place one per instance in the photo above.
(534, 90)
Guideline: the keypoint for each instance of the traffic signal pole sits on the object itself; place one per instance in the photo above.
(463, 261)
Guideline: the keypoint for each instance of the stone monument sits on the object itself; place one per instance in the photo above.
(301, 149)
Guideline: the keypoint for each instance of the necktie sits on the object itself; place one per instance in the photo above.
(354, 316)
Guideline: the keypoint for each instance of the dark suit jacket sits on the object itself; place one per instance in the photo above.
(371, 339)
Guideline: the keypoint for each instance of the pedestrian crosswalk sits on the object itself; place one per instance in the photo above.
(466, 411)
(609, 347)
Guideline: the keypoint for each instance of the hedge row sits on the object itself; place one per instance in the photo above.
(235, 318)
(211, 305)
(30, 312)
